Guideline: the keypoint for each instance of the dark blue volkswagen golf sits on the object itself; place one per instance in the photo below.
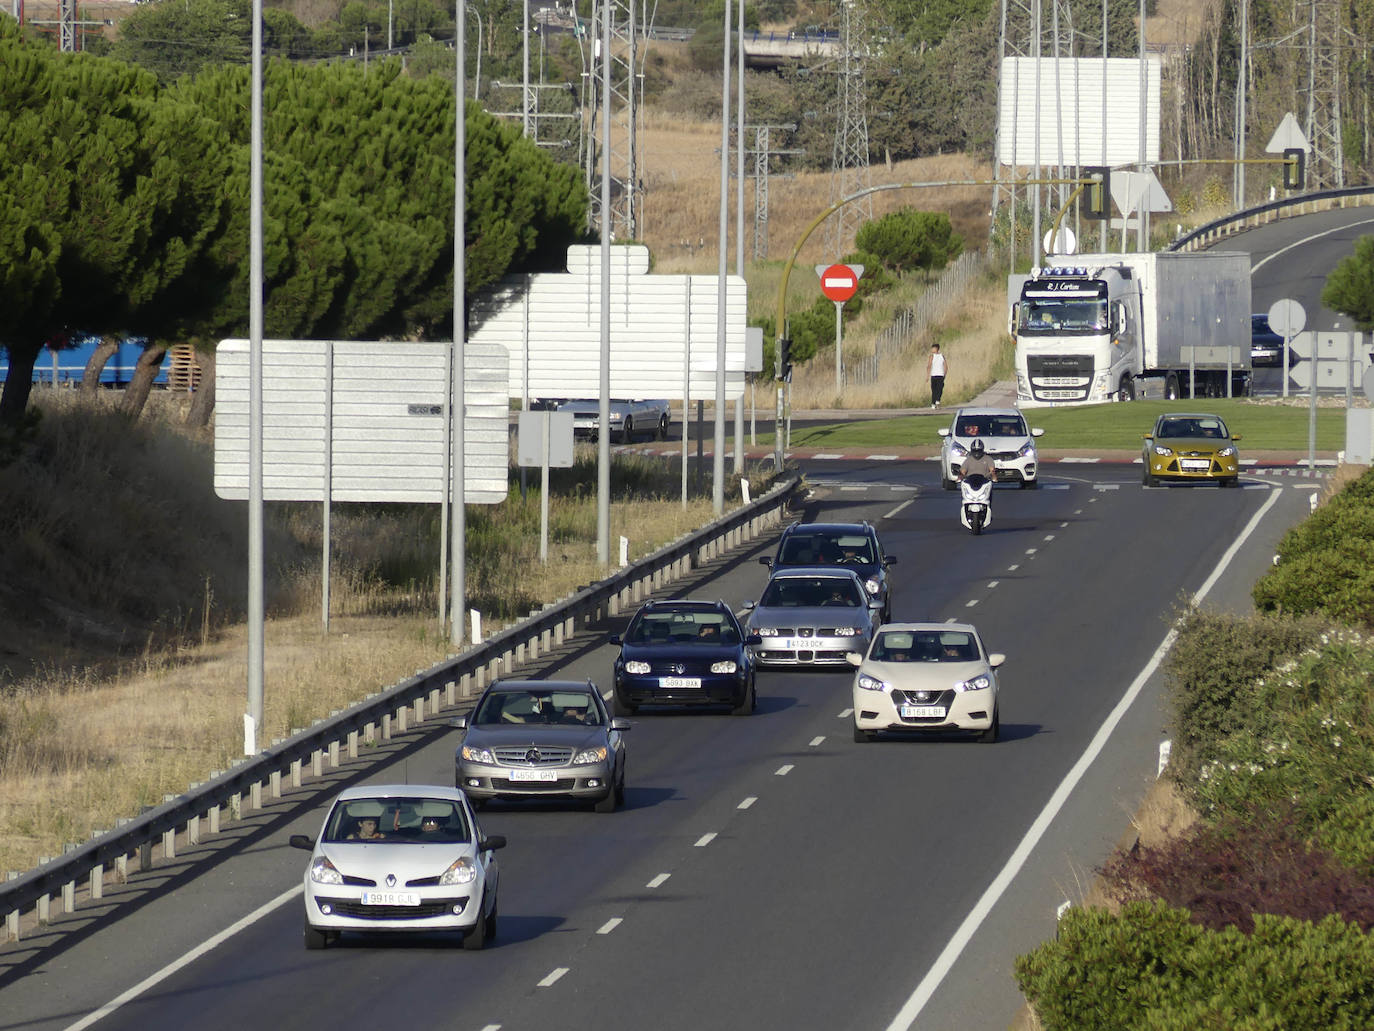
(684, 652)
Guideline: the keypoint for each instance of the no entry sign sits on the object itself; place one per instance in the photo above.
(840, 282)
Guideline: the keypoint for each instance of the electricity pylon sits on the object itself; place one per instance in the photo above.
(849, 169)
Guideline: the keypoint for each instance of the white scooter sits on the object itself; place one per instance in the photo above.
(975, 509)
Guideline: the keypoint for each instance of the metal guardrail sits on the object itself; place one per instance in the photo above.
(459, 677)
(1324, 200)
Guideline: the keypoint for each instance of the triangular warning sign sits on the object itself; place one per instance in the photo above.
(1287, 137)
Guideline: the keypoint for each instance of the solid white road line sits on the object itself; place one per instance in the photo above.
(609, 926)
(907, 1015)
(553, 977)
(190, 957)
(705, 839)
(657, 881)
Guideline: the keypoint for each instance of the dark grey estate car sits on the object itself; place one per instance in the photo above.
(542, 739)
(855, 546)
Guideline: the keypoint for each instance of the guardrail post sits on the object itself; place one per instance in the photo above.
(317, 762)
(370, 733)
(145, 857)
(295, 773)
(419, 711)
(402, 719)
(545, 640)
(495, 669)
(214, 819)
(481, 678)
(169, 843)
(274, 780)
(69, 897)
(44, 906)
(353, 744)
(122, 869)
(98, 881)
(520, 654)
(193, 830)
(434, 700)
(236, 806)
(334, 754)
(12, 917)
(256, 795)
(386, 727)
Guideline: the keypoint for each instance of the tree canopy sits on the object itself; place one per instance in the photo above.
(1350, 287)
(127, 204)
(908, 239)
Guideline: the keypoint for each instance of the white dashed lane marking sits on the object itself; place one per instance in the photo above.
(658, 880)
(846, 713)
(553, 977)
(903, 505)
(969, 605)
(817, 740)
(747, 802)
(993, 583)
(609, 926)
(705, 839)
(783, 771)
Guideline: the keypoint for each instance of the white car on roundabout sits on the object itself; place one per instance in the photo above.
(925, 678)
(1010, 443)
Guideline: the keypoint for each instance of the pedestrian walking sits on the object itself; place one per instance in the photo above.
(935, 369)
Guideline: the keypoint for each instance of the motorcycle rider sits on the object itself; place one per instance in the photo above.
(978, 462)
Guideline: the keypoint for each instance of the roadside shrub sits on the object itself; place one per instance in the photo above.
(1151, 967)
(1336, 581)
(1213, 667)
(1225, 874)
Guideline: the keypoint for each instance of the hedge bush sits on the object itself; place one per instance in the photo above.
(1151, 967)
(1213, 668)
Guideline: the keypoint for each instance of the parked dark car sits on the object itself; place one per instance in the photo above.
(1266, 346)
(853, 545)
(684, 652)
(542, 739)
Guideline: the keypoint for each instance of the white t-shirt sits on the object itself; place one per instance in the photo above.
(937, 364)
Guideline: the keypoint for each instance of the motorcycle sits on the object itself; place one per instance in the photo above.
(975, 509)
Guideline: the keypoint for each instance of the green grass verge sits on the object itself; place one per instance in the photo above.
(1262, 426)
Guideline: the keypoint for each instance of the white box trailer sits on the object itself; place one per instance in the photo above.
(1099, 327)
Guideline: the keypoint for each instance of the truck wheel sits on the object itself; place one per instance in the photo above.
(1127, 391)
(663, 428)
(627, 433)
(1171, 388)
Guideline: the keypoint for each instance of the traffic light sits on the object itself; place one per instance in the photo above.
(1099, 191)
(784, 358)
(1294, 168)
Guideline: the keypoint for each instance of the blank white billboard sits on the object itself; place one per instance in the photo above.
(1050, 111)
(663, 329)
(385, 404)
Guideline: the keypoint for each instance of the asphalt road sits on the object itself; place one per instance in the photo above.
(767, 871)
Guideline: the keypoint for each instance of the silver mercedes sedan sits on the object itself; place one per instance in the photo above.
(813, 616)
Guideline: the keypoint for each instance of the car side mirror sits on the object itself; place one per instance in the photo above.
(943, 431)
(304, 841)
(459, 723)
(1235, 436)
(875, 604)
(1037, 432)
(889, 560)
(753, 639)
(748, 605)
(619, 724)
(855, 659)
(1147, 436)
(613, 639)
(996, 659)
(765, 560)
(492, 842)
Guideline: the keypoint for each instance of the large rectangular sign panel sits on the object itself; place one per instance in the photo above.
(369, 418)
(663, 330)
(1077, 111)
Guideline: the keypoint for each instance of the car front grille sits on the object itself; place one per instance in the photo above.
(520, 756)
(425, 910)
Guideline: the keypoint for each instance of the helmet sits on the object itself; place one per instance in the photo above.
(976, 449)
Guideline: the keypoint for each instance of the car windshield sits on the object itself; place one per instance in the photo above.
(416, 820)
(1202, 426)
(990, 426)
(801, 549)
(924, 646)
(795, 592)
(683, 627)
(569, 706)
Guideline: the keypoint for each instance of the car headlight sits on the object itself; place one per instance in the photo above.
(766, 631)
(872, 586)
(847, 631)
(1162, 451)
(461, 871)
(957, 450)
(636, 667)
(477, 755)
(869, 683)
(728, 666)
(1027, 449)
(979, 683)
(322, 871)
(590, 755)
(1226, 452)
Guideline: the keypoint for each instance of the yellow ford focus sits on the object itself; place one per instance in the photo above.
(1190, 447)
